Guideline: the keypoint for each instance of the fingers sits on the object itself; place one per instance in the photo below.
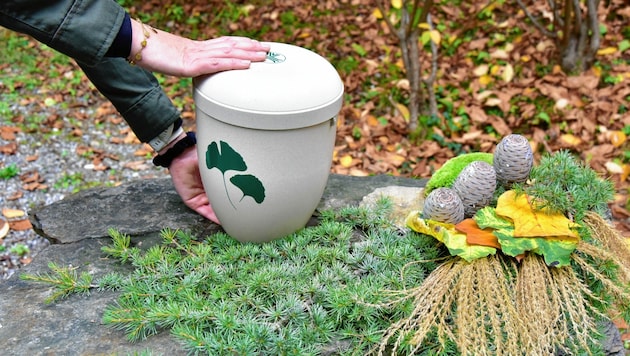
(233, 47)
(242, 43)
(223, 53)
(213, 65)
(207, 212)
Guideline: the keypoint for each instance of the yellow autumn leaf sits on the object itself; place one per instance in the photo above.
(424, 26)
(433, 228)
(494, 70)
(570, 139)
(304, 34)
(436, 37)
(404, 111)
(372, 120)
(606, 51)
(450, 39)
(377, 14)
(533, 223)
(397, 4)
(508, 73)
(346, 161)
(485, 80)
(626, 172)
(617, 138)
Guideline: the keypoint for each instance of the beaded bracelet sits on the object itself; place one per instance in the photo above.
(145, 32)
(165, 160)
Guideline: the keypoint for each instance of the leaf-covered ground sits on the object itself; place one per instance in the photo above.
(497, 75)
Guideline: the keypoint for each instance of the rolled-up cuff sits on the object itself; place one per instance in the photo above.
(151, 115)
(136, 94)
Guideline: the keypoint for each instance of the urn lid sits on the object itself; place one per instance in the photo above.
(293, 88)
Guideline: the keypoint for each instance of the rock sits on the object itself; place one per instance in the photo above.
(78, 227)
(404, 200)
(135, 209)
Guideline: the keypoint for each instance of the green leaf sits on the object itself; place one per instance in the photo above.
(624, 45)
(359, 49)
(457, 246)
(425, 38)
(250, 186)
(557, 252)
(487, 218)
(225, 160)
(514, 246)
(544, 117)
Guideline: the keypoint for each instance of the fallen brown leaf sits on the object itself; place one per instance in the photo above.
(8, 133)
(30, 177)
(15, 196)
(137, 165)
(20, 225)
(12, 213)
(9, 149)
(32, 158)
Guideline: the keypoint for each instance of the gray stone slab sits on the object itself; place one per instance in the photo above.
(78, 227)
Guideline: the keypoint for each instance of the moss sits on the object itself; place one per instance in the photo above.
(446, 175)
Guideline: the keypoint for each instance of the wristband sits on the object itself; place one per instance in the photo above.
(167, 136)
(165, 160)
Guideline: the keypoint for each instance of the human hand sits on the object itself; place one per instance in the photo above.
(170, 54)
(184, 172)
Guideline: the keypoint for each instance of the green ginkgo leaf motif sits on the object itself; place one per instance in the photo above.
(225, 160)
(250, 186)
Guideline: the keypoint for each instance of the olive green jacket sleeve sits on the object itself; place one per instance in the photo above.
(81, 29)
(84, 30)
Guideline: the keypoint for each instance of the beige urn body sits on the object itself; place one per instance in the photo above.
(265, 139)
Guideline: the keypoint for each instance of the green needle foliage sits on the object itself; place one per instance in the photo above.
(314, 291)
(65, 280)
(563, 184)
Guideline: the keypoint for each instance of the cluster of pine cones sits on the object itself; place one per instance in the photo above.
(474, 187)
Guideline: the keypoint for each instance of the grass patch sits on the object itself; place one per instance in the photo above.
(353, 285)
(297, 295)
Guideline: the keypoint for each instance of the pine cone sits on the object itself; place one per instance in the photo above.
(443, 205)
(513, 159)
(475, 186)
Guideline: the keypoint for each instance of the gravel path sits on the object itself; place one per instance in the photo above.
(68, 155)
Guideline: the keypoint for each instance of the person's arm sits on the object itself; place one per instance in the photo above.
(86, 29)
(81, 29)
(166, 53)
